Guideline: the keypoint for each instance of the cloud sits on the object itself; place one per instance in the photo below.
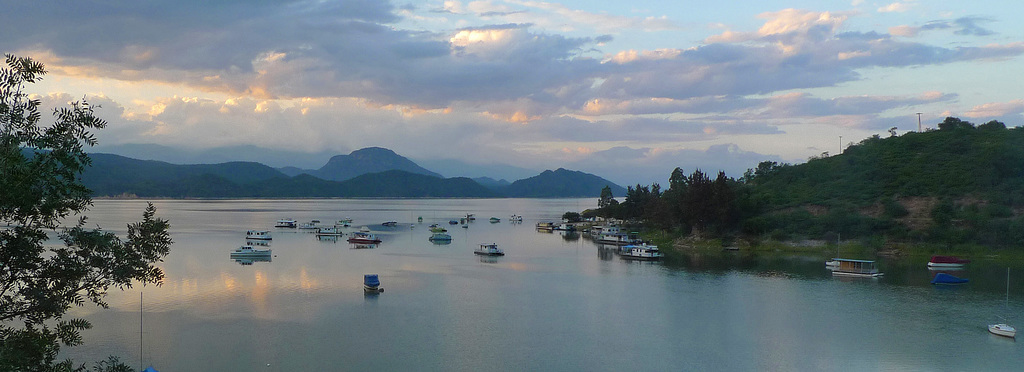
(996, 109)
(966, 26)
(897, 7)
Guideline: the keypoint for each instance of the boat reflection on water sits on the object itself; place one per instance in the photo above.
(363, 246)
(327, 238)
(248, 261)
(257, 243)
(570, 236)
(488, 259)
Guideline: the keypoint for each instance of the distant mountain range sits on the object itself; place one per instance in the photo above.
(369, 172)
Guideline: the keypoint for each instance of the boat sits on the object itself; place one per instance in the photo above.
(489, 249)
(545, 226)
(515, 218)
(943, 278)
(857, 268)
(360, 237)
(364, 229)
(495, 220)
(437, 229)
(329, 231)
(617, 238)
(390, 223)
(308, 226)
(250, 260)
(258, 235)
(440, 237)
(470, 217)
(946, 262)
(371, 284)
(286, 222)
(641, 252)
(453, 222)
(565, 227)
(344, 222)
(248, 251)
(1003, 329)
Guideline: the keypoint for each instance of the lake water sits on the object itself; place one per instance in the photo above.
(552, 303)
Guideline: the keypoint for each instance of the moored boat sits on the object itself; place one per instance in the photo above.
(440, 237)
(1001, 329)
(641, 252)
(360, 237)
(248, 251)
(329, 231)
(390, 223)
(287, 223)
(489, 249)
(371, 284)
(946, 262)
(495, 220)
(545, 226)
(857, 268)
(258, 235)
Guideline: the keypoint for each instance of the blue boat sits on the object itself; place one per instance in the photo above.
(371, 283)
(943, 278)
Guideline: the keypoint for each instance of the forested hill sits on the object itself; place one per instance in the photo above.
(959, 184)
(957, 161)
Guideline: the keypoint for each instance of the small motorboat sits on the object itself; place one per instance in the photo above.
(437, 229)
(248, 251)
(1004, 330)
(440, 237)
(943, 278)
(453, 222)
(371, 284)
(329, 231)
(287, 223)
(390, 224)
(495, 220)
(489, 249)
(363, 238)
(258, 235)
(946, 262)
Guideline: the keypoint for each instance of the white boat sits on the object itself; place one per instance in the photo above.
(286, 222)
(345, 222)
(258, 235)
(1003, 329)
(515, 218)
(856, 268)
(248, 251)
(308, 226)
(489, 249)
(641, 252)
(364, 229)
(946, 262)
(329, 231)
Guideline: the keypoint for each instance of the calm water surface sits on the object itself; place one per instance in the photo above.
(552, 303)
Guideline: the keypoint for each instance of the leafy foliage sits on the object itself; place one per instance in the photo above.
(971, 178)
(40, 282)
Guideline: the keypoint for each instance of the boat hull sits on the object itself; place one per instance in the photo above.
(856, 275)
(937, 265)
(1003, 330)
(363, 241)
(489, 253)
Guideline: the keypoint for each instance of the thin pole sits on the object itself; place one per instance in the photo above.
(141, 365)
(919, 122)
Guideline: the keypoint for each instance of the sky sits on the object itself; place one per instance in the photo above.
(627, 90)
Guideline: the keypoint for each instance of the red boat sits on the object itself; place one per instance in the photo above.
(946, 262)
(363, 238)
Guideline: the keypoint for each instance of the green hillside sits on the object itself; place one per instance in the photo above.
(959, 185)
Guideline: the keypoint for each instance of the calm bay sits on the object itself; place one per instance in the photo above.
(554, 302)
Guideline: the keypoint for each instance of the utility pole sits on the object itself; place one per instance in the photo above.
(919, 122)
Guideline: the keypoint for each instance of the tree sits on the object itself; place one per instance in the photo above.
(40, 281)
(606, 197)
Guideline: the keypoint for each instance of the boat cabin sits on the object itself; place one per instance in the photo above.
(851, 267)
